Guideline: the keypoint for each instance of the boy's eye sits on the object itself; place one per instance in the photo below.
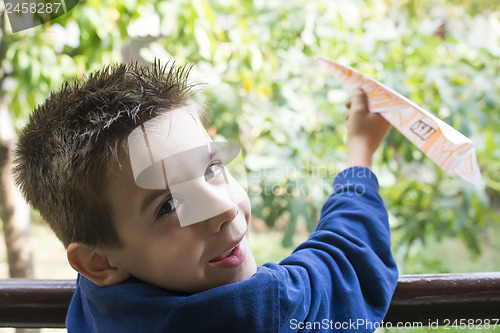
(166, 207)
(213, 170)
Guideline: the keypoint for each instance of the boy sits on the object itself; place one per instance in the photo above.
(121, 167)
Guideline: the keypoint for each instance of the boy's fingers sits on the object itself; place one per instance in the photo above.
(359, 101)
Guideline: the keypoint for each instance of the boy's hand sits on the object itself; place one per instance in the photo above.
(365, 131)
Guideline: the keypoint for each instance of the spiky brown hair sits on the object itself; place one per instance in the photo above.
(72, 141)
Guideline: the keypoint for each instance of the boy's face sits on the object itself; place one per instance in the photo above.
(204, 254)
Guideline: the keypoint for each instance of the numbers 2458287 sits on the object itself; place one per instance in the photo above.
(33, 8)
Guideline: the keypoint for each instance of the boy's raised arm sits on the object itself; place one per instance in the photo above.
(342, 278)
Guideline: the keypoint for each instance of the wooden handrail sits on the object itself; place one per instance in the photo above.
(34, 303)
(446, 298)
(436, 299)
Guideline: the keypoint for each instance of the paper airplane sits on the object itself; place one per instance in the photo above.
(448, 148)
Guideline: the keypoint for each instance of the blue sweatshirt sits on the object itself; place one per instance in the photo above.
(340, 280)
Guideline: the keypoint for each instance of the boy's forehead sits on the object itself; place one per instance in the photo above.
(177, 131)
(174, 132)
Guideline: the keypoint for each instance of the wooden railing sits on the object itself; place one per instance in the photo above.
(446, 299)
(438, 299)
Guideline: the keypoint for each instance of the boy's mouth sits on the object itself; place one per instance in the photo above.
(230, 258)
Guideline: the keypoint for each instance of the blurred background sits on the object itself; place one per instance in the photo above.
(265, 91)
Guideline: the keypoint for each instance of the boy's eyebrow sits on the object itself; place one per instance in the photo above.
(150, 197)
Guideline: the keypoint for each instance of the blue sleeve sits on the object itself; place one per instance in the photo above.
(343, 277)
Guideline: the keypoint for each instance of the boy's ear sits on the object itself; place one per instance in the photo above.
(94, 265)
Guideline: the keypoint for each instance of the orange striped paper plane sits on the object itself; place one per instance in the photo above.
(447, 147)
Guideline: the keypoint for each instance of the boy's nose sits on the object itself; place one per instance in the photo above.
(224, 209)
(202, 201)
(215, 224)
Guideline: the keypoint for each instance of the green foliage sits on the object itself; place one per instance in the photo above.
(265, 91)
